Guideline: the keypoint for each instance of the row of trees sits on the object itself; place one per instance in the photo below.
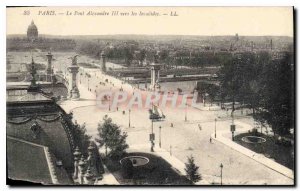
(264, 84)
(123, 52)
(131, 52)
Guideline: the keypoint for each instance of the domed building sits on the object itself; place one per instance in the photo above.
(32, 31)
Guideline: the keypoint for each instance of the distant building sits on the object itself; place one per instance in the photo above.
(237, 37)
(32, 31)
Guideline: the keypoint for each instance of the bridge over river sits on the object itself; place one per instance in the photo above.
(137, 75)
(144, 72)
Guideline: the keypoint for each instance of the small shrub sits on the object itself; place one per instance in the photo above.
(127, 169)
(192, 170)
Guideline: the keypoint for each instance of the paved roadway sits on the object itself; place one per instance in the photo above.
(185, 138)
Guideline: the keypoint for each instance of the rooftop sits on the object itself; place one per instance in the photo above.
(22, 95)
(32, 162)
(16, 91)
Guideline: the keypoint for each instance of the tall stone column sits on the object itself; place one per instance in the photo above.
(155, 77)
(152, 77)
(103, 62)
(49, 71)
(155, 67)
(73, 89)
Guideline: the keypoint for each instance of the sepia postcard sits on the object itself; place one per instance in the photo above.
(201, 96)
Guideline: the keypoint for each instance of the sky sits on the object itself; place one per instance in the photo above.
(212, 21)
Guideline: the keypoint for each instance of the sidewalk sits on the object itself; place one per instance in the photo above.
(208, 107)
(108, 178)
(255, 156)
(87, 98)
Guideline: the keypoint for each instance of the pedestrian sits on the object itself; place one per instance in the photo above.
(200, 128)
(210, 139)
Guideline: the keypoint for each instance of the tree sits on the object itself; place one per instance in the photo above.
(192, 170)
(263, 83)
(127, 168)
(111, 137)
(209, 89)
(81, 138)
(128, 53)
(142, 55)
(238, 77)
(276, 103)
(163, 55)
(79, 134)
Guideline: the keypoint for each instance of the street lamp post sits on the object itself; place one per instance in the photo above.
(203, 97)
(129, 117)
(232, 126)
(109, 104)
(159, 136)
(215, 127)
(152, 136)
(221, 166)
(152, 139)
(185, 117)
